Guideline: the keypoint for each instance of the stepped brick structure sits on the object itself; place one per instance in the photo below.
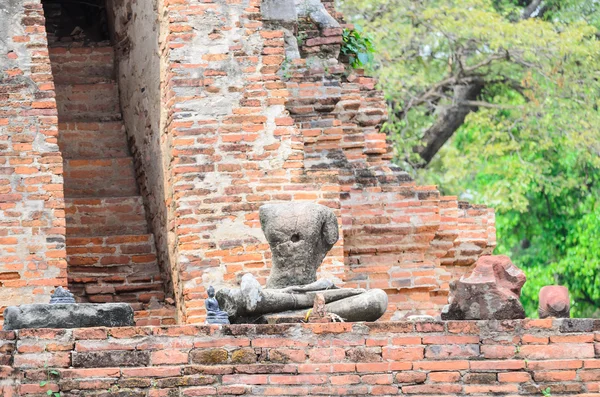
(136, 151)
(111, 255)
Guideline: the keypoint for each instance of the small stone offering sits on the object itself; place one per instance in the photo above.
(318, 314)
(554, 302)
(62, 295)
(214, 315)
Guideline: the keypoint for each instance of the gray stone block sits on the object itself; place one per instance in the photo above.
(279, 10)
(111, 358)
(68, 316)
(569, 325)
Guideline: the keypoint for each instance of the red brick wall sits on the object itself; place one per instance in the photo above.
(233, 147)
(32, 216)
(139, 41)
(485, 358)
(400, 237)
(239, 126)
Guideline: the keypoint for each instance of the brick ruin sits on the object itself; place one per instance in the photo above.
(454, 358)
(137, 145)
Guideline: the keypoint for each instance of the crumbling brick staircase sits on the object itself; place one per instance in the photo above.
(110, 252)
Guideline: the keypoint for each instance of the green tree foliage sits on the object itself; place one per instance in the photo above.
(357, 47)
(506, 92)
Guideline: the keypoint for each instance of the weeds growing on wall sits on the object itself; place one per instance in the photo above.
(358, 47)
(49, 374)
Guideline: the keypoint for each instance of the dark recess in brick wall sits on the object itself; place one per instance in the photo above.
(76, 20)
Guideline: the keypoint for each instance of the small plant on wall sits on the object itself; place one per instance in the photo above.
(44, 383)
(358, 47)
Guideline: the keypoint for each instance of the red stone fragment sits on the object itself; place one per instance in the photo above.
(492, 291)
(554, 302)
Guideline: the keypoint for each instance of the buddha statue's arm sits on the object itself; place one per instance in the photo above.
(319, 285)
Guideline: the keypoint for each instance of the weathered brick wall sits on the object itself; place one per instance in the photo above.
(138, 36)
(467, 358)
(140, 51)
(32, 216)
(233, 146)
(220, 121)
(398, 236)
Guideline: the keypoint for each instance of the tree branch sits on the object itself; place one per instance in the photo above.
(483, 104)
(448, 120)
(466, 83)
(533, 9)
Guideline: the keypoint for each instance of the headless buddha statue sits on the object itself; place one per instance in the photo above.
(299, 235)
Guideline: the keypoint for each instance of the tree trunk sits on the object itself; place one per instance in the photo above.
(530, 10)
(449, 118)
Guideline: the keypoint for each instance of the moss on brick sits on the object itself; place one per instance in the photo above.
(243, 356)
(185, 381)
(135, 382)
(209, 356)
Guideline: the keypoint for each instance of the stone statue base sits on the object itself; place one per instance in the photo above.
(68, 315)
(296, 316)
(217, 318)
